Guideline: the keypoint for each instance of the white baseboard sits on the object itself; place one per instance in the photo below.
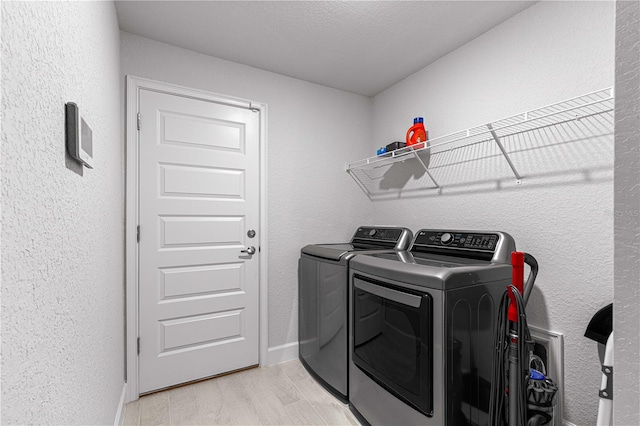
(119, 421)
(566, 423)
(282, 353)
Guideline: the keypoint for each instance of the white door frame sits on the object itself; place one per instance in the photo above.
(133, 87)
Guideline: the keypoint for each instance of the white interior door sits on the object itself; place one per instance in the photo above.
(199, 199)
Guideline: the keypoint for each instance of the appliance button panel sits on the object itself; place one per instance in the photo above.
(379, 234)
(459, 240)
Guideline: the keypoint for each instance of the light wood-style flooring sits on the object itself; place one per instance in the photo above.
(283, 394)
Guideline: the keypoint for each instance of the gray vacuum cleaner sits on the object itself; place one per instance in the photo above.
(520, 395)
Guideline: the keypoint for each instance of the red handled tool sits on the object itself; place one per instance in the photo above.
(517, 281)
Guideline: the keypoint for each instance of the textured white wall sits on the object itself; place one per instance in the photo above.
(312, 131)
(549, 52)
(62, 233)
(627, 216)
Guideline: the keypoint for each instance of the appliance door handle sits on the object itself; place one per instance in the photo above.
(388, 293)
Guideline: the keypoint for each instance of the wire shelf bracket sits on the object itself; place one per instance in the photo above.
(504, 152)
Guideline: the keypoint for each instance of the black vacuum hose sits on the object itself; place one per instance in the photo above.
(497, 407)
(518, 351)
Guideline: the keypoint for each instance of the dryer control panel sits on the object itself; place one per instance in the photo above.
(477, 244)
(456, 239)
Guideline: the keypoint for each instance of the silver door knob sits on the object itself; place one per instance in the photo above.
(250, 250)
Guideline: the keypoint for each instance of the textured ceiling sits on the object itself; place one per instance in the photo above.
(362, 47)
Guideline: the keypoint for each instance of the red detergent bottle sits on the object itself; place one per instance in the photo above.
(416, 133)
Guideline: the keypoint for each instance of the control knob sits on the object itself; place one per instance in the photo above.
(372, 232)
(446, 238)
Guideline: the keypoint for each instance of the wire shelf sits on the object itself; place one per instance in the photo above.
(490, 151)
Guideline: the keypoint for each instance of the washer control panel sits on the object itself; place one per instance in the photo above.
(457, 240)
(378, 234)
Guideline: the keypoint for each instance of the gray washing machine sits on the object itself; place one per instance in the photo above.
(422, 326)
(323, 280)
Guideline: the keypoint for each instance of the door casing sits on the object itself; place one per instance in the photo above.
(133, 87)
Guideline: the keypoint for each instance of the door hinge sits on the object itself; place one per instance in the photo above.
(138, 233)
(138, 121)
(138, 346)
